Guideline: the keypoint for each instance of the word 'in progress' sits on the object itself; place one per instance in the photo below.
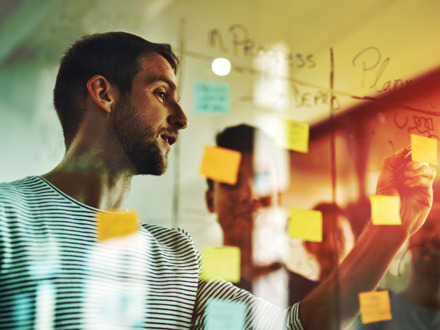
(243, 45)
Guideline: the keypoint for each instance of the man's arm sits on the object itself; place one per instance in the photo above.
(336, 299)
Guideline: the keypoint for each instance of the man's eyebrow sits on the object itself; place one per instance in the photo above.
(152, 79)
(171, 84)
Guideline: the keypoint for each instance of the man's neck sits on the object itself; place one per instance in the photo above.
(91, 189)
(92, 179)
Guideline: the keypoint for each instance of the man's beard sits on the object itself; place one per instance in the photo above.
(139, 143)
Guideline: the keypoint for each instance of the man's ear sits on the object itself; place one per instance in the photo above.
(209, 198)
(102, 92)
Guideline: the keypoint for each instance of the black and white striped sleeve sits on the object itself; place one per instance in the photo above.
(260, 314)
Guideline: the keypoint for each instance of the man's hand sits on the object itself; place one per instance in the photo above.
(413, 182)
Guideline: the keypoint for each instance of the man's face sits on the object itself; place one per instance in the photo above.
(146, 122)
(236, 205)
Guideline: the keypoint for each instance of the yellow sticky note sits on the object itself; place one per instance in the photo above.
(424, 149)
(294, 135)
(111, 225)
(220, 164)
(375, 306)
(306, 225)
(385, 210)
(221, 262)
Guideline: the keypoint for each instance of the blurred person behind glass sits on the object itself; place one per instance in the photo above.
(249, 213)
(338, 239)
(251, 218)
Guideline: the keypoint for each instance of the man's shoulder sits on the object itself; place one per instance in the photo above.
(170, 237)
(166, 233)
(16, 190)
(16, 197)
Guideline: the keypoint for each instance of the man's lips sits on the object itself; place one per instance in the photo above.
(169, 138)
(245, 212)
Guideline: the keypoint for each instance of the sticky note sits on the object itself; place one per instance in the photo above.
(111, 225)
(220, 164)
(375, 306)
(294, 135)
(424, 149)
(223, 314)
(211, 97)
(306, 225)
(221, 262)
(121, 309)
(385, 210)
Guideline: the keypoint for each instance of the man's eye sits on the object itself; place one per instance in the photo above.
(162, 96)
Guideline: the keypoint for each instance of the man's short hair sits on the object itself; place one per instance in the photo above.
(114, 55)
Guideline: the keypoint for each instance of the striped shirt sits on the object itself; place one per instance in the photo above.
(54, 273)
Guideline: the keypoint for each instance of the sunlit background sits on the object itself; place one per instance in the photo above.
(377, 60)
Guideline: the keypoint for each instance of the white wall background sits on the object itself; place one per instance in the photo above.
(34, 34)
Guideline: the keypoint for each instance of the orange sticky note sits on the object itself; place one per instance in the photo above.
(294, 135)
(221, 262)
(424, 149)
(111, 225)
(375, 306)
(220, 164)
(306, 225)
(385, 210)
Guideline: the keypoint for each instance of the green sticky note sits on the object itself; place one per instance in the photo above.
(306, 225)
(221, 262)
(424, 149)
(220, 164)
(294, 135)
(211, 98)
(222, 314)
(375, 306)
(385, 210)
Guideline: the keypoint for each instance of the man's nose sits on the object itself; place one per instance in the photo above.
(249, 195)
(177, 118)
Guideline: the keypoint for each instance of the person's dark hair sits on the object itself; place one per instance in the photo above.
(114, 55)
(239, 137)
(328, 209)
